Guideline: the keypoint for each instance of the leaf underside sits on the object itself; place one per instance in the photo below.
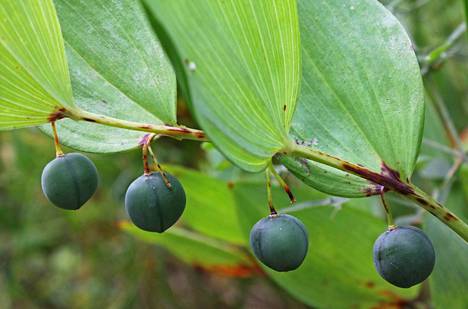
(94, 93)
(118, 69)
(34, 78)
(362, 95)
(242, 62)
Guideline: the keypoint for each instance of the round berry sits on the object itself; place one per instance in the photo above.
(69, 180)
(404, 256)
(151, 205)
(280, 242)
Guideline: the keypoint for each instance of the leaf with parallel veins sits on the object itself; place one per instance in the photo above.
(34, 78)
(362, 96)
(242, 63)
(118, 69)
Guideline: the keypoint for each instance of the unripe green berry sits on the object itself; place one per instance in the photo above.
(280, 242)
(404, 256)
(151, 205)
(69, 180)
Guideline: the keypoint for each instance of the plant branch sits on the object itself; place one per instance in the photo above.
(171, 131)
(387, 178)
(452, 135)
(444, 116)
(442, 148)
(441, 52)
(394, 6)
(440, 194)
(390, 180)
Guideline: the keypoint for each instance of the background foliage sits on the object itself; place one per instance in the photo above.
(94, 259)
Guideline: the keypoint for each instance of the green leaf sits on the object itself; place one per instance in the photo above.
(449, 280)
(242, 62)
(191, 247)
(118, 69)
(93, 93)
(327, 179)
(210, 207)
(362, 96)
(171, 51)
(34, 80)
(338, 271)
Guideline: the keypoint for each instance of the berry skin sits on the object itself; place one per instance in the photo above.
(69, 180)
(151, 205)
(404, 256)
(280, 242)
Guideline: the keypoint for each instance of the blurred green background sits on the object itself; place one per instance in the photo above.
(94, 258)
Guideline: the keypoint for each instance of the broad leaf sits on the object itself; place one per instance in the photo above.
(362, 96)
(338, 271)
(210, 205)
(118, 69)
(242, 62)
(191, 247)
(171, 51)
(34, 79)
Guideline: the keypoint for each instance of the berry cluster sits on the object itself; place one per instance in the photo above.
(152, 204)
(404, 256)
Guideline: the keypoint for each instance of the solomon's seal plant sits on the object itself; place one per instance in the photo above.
(258, 75)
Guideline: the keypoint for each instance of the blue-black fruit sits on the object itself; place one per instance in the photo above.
(69, 180)
(404, 256)
(280, 242)
(151, 205)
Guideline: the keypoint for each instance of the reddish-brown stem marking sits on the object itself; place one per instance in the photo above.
(390, 180)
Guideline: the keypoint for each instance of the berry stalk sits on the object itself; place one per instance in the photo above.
(58, 148)
(388, 212)
(273, 211)
(282, 183)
